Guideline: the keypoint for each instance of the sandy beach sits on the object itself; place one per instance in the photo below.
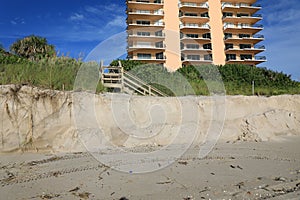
(240, 170)
(69, 145)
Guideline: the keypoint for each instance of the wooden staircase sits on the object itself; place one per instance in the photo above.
(116, 78)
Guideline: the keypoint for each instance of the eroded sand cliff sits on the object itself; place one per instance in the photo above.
(33, 119)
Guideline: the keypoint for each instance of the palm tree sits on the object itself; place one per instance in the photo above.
(33, 47)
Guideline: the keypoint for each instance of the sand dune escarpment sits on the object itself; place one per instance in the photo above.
(33, 119)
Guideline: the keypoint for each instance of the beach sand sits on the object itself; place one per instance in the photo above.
(46, 136)
(232, 170)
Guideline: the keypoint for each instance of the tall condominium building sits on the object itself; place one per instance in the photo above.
(181, 32)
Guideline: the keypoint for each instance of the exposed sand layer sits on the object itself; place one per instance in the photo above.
(242, 170)
(44, 120)
(45, 136)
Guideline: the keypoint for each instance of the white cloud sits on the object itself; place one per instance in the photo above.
(282, 33)
(76, 17)
(17, 20)
(115, 8)
(92, 9)
(118, 21)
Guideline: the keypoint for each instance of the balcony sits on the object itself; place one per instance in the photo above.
(146, 24)
(252, 19)
(256, 49)
(193, 5)
(196, 61)
(147, 46)
(187, 38)
(243, 28)
(194, 19)
(194, 26)
(146, 37)
(188, 6)
(136, 4)
(146, 1)
(253, 61)
(244, 38)
(146, 12)
(241, 7)
(186, 48)
(238, 1)
(153, 59)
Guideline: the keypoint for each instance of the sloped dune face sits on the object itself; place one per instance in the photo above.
(38, 120)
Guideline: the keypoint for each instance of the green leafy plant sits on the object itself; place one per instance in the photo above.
(33, 48)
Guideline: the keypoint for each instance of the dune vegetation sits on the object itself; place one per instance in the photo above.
(32, 61)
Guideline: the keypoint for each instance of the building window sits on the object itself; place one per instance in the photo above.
(193, 57)
(228, 35)
(246, 57)
(191, 14)
(242, 15)
(159, 56)
(143, 11)
(204, 14)
(159, 45)
(192, 25)
(207, 46)
(182, 57)
(192, 35)
(230, 56)
(142, 56)
(227, 14)
(206, 35)
(244, 35)
(245, 46)
(208, 57)
(143, 44)
(158, 33)
(228, 46)
(192, 46)
(143, 33)
(143, 22)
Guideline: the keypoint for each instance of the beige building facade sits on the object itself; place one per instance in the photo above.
(193, 32)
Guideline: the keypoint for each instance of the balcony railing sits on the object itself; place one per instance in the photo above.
(195, 49)
(147, 58)
(256, 36)
(256, 58)
(204, 26)
(194, 38)
(146, 24)
(147, 2)
(148, 12)
(185, 59)
(187, 4)
(259, 47)
(232, 5)
(259, 26)
(250, 16)
(147, 36)
(256, 47)
(151, 46)
(252, 6)
(260, 58)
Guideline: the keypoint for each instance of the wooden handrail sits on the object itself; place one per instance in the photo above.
(126, 79)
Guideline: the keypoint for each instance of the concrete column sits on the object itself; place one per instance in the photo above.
(217, 34)
(172, 32)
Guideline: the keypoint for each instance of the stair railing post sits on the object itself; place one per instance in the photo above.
(101, 72)
(149, 90)
(122, 76)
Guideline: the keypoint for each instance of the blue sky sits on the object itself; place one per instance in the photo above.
(76, 27)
